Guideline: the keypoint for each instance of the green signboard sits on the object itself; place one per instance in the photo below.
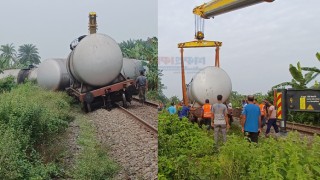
(303, 100)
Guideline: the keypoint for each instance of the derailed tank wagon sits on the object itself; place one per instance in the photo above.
(95, 73)
(94, 66)
(208, 83)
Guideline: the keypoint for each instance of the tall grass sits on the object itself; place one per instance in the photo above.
(28, 117)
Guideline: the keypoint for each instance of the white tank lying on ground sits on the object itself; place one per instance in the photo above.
(53, 75)
(10, 72)
(20, 75)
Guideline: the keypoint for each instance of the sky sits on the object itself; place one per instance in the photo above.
(53, 25)
(259, 42)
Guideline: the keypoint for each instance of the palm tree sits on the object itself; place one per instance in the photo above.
(28, 54)
(8, 56)
(299, 80)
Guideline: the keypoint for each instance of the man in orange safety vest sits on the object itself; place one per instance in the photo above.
(262, 107)
(206, 115)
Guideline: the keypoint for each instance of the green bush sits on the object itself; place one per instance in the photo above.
(7, 84)
(181, 145)
(185, 152)
(28, 116)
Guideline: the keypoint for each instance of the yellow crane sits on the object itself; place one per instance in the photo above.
(206, 11)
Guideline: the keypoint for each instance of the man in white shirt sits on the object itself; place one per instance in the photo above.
(272, 119)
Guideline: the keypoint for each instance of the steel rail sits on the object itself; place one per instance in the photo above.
(150, 127)
(154, 105)
(307, 129)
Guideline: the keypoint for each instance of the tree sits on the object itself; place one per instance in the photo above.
(235, 98)
(175, 99)
(8, 56)
(28, 54)
(299, 80)
(314, 69)
(128, 49)
(145, 50)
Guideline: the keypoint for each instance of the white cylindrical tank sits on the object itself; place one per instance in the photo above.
(33, 74)
(96, 60)
(10, 72)
(191, 99)
(53, 75)
(131, 68)
(20, 75)
(208, 83)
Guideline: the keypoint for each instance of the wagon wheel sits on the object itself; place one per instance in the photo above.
(88, 99)
(86, 107)
(124, 101)
(89, 107)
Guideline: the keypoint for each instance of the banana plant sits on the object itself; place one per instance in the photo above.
(314, 69)
(299, 80)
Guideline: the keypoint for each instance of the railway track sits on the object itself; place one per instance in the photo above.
(132, 144)
(306, 129)
(291, 126)
(140, 120)
(149, 103)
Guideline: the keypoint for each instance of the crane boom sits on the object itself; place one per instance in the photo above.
(217, 7)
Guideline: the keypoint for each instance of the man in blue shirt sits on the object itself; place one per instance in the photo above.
(251, 120)
(184, 111)
(172, 109)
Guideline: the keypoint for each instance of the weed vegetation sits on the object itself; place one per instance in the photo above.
(32, 136)
(187, 152)
(29, 116)
(6, 84)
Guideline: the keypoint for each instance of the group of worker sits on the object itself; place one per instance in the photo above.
(219, 117)
(181, 109)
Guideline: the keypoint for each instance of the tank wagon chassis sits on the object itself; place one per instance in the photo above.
(105, 96)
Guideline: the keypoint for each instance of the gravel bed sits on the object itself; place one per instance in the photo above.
(135, 149)
(145, 112)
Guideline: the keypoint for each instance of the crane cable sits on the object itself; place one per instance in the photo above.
(195, 25)
(199, 26)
